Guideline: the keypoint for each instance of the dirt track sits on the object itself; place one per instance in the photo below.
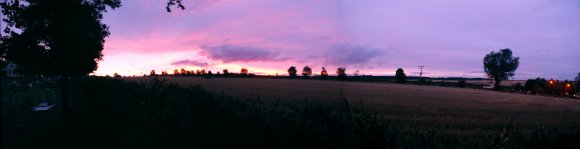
(377, 94)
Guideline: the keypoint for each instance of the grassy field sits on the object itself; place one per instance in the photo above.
(455, 115)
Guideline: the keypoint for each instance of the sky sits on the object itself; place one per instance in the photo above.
(448, 37)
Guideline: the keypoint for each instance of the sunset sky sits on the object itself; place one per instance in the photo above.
(449, 37)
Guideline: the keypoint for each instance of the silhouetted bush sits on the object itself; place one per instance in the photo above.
(536, 86)
(517, 87)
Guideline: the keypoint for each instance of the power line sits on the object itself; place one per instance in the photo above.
(421, 73)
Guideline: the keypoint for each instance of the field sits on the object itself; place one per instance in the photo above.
(379, 94)
(190, 112)
(470, 116)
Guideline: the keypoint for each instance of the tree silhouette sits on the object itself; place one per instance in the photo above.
(66, 36)
(226, 72)
(176, 72)
(400, 75)
(341, 71)
(244, 72)
(152, 73)
(323, 73)
(292, 71)
(500, 65)
(183, 71)
(116, 75)
(306, 71)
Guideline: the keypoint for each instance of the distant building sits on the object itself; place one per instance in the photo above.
(10, 70)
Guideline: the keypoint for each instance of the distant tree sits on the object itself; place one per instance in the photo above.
(500, 65)
(306, 71)
(116, 75)
(244, 72)
(292, 71)
(536, 86)
(176, 72)
(209, 74)
(400, 75)
(183, 71)
(152, 73)
(323, 73)
(218, 74)
(226, 72)
(341, 72)
(356, 73)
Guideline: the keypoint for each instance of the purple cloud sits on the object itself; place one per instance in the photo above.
(351, 54)
(234, 53)
(189, 62)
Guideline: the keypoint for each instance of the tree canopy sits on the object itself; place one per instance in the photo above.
(306, 71)
(341, 72)
(244, 72)
(500, 65)
(292, 71)
(323, 73)
(63, 37)
(400, 75)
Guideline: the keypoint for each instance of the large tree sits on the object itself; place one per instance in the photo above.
(500, 65)
(55, 37)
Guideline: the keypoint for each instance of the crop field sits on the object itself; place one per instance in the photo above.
(379, 94)
(450, 115)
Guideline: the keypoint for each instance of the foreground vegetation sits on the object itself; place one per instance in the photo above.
(112, 113)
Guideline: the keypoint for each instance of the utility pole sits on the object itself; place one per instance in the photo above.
(421, 73)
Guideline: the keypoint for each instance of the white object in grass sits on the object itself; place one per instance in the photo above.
(42, 107)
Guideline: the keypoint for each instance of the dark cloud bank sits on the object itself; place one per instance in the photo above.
(235, 53)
